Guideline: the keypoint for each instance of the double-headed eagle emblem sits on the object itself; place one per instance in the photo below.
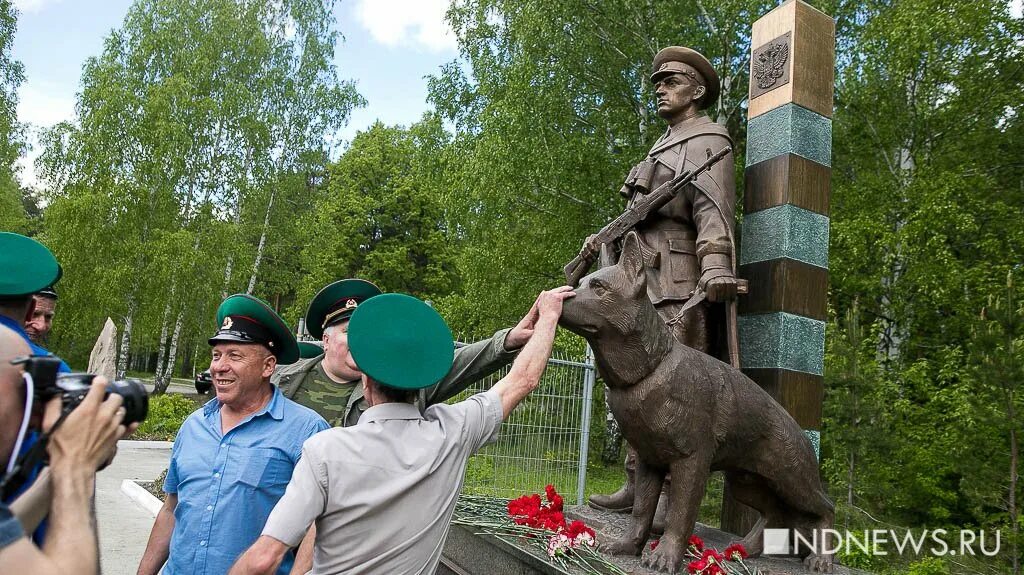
(770, 65)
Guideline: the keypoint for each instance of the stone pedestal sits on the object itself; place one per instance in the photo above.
(612, 525)
(468, 553)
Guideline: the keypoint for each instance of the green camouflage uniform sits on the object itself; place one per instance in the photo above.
(341, 404)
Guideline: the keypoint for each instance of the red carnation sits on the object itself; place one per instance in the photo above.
(735, 552)
(697, 542)
(549, 490)
(577, 527)
(712, 556)
(697, 566)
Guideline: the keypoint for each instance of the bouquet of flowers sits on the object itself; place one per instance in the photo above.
(709, 561)
(538, 523)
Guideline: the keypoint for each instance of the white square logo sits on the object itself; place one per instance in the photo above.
(776, 542)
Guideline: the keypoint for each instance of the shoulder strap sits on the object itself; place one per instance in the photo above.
(707, 127)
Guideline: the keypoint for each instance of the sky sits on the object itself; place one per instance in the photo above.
(389, 47)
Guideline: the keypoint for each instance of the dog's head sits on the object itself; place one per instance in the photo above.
(609, 302)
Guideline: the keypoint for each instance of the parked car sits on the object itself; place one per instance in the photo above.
(204, 382)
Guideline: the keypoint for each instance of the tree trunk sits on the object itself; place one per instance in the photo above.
(1012, 507)
(263, 241)
(894, 332)
(161, 345)
(613, 436)
(126, 340)
(164, 379)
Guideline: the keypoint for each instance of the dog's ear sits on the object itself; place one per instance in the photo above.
(632, 259)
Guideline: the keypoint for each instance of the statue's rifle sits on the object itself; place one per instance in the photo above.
(620, 226)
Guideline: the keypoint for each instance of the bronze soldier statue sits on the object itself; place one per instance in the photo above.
(688, 244)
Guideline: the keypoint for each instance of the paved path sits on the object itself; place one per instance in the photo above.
(124, 525)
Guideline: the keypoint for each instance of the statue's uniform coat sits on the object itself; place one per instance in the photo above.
(691, 234)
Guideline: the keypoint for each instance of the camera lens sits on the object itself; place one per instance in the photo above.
(136, 398)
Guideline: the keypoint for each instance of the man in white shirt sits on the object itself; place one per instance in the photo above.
(382, 492)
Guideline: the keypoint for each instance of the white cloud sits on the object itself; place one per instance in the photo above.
(1016, 8)
(29, 6)
(45, 104)
(41, 105)
(412, 23)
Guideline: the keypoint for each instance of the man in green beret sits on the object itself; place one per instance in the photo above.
(27, 268)
(383, 491)
(233, 457)
(690, 240)
(328, 386)
(38, 327)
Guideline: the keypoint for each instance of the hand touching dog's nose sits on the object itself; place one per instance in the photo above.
(550, 302)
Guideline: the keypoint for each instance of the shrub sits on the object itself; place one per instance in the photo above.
(166, 414)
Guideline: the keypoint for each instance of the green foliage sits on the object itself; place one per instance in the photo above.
(381, 216)
(198, 166)
(928, 566)
(166, 414)
(12, 144)
(200, 128)
(550, 114)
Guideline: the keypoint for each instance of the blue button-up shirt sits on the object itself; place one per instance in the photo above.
(228, 484)
(36, 349)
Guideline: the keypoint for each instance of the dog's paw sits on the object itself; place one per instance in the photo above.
(621, 546)
(818, 563)
(666, 557)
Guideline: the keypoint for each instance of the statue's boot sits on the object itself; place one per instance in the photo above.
(622, 500)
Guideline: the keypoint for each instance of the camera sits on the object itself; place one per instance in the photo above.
(72, 387)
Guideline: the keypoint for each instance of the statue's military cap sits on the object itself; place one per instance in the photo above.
(680, 60)
(245, 319)
(27, 266)
(401, 342)
(336, 302)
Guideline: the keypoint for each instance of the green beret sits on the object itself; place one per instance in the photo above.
(27, 266)
(336, 302)
(245, 319)
(308, 349)
(665, 63)
(401, 342)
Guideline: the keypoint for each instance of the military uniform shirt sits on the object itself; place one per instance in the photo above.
(383, 492)
(328, 397)
(472, 363)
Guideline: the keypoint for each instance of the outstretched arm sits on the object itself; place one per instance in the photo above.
(262, 557)
(527, 369)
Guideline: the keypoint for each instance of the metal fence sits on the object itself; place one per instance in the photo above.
(545, 440)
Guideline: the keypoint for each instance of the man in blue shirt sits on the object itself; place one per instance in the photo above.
(233, 458)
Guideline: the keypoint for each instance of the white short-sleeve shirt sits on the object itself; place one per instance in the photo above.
(382, 492)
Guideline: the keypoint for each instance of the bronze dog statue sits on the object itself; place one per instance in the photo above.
(688, 413)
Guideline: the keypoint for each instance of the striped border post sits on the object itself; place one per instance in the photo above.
(784, 243)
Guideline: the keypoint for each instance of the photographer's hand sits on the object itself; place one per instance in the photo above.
(88, 436)
(84, 440)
